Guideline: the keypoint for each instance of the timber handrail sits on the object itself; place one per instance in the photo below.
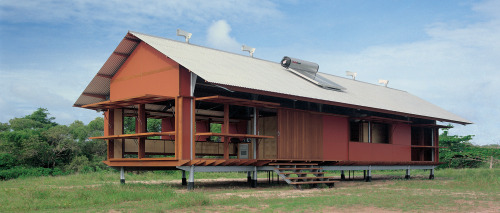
(232, 135)
(137, 135)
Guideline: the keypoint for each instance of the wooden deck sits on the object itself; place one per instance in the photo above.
(172, 162)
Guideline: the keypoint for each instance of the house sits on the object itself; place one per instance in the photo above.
(284, 117)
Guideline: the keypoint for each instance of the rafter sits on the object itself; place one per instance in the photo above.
(104, 76)
(121, 54)
(95, 95)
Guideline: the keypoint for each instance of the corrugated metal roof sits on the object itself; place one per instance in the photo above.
(242, 71)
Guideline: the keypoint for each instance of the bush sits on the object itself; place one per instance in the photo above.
(19, 171)
(7, 160)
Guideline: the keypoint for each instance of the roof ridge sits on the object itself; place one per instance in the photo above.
(210, 48)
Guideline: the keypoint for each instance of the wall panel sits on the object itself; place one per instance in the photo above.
(335, 138)
(301, 135)
(146, 71)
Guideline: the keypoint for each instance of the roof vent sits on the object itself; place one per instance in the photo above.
(308, 71)
(384, 82)
(352, 74)
(186, 35)
(251, 50)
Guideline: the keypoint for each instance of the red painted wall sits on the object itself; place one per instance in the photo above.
(168, 125)
(146, 71)
(401, 134)
(359, 151)
(335, 138)
(202, 126)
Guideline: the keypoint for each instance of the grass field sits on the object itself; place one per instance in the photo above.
(462, 190)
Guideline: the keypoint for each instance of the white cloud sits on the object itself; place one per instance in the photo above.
(136, 12)
(23, 91)
(218, 37)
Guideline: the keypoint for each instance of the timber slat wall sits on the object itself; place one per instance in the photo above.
(301, 135)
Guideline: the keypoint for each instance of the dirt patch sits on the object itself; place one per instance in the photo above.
(356, 209)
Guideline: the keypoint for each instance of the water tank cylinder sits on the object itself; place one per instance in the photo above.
(300, 65)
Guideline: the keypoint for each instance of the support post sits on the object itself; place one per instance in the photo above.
(254, 140)
(254, 178)
(407, 176)
(184, 181)
(190, 184)
(122, 175)
(369, 174)
(226, 130)
(142, 128)
(431, 175)
(109, 122)
(249, 177)
(342, 175)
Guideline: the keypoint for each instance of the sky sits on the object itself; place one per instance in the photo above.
(446, 52)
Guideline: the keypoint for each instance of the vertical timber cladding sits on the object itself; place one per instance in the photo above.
(267, 147)
(301, 135)
(109, 130)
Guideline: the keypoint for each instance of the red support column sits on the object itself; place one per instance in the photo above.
(141, 128)
(183, 128)
(193, 129)
(226, 131)
(436, 144)
(109, 130)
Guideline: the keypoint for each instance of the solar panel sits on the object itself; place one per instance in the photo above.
(308, 71)
(317, 79)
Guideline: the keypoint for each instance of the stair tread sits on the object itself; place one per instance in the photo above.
(298, 178)
(298, 168)
(302, 173)
(314, 182)
(293, 164)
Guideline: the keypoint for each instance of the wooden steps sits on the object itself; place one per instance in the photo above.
(304, 178)
(293, 164)
(297, 174)
(299, 168)
(314, 182)
(303, 173)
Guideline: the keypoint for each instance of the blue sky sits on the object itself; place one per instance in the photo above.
(446, 52)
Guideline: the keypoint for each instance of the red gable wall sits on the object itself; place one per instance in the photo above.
(146, 71)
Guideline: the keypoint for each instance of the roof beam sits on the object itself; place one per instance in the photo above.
(132, 39)
(121, 54)
(95, 95)
(104, 76)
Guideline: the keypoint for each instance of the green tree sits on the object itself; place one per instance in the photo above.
(4, 127)
(459, 152)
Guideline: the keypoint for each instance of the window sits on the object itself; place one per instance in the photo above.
(359, 131)
(380, 133)
(369, 132)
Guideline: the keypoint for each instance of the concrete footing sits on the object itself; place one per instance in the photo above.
(249, 177)
(184, 180)
(190, 185)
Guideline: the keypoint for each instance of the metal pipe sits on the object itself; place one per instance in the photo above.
(190, 185)
(122, 175)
